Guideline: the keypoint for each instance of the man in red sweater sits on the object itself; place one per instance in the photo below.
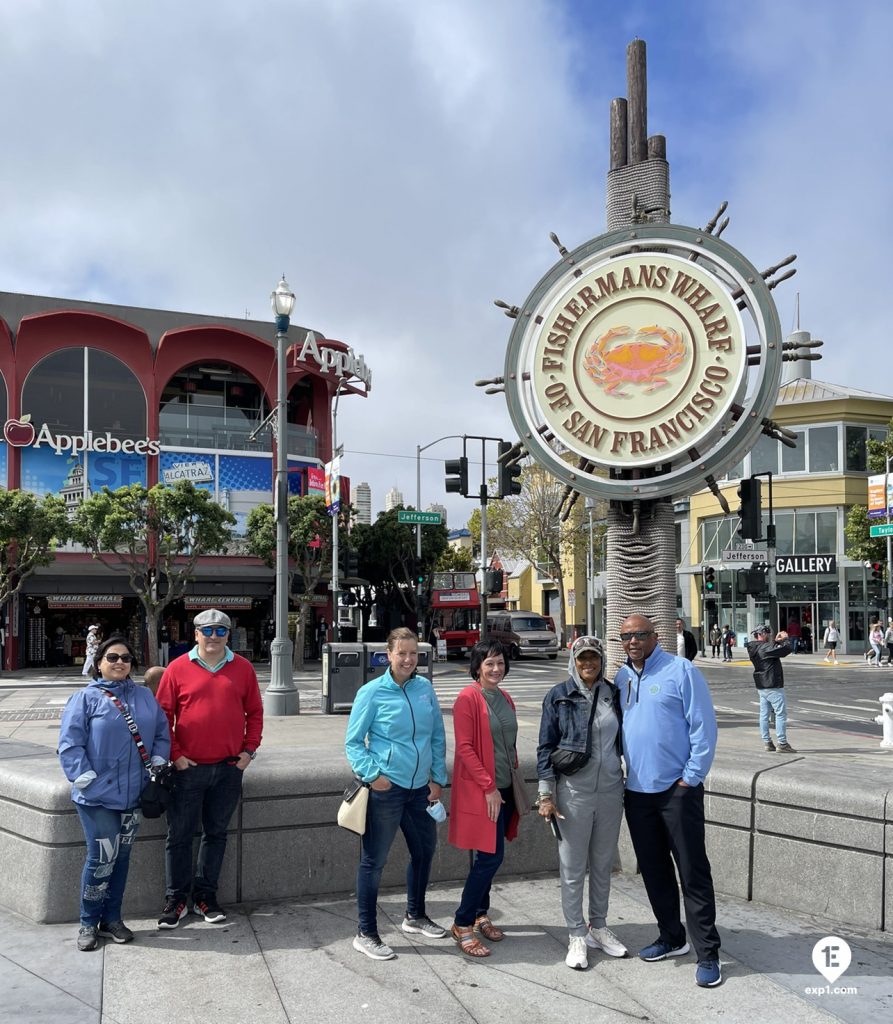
(212, 701)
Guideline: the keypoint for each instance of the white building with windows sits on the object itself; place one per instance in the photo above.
(392, 499)
(361, 499)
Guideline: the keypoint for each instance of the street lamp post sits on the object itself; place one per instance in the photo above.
(281, 696)
(335, 586)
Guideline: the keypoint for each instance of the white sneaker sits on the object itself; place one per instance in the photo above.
(576, 953)
(605, 940)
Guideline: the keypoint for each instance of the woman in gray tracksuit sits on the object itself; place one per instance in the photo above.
(581, 786)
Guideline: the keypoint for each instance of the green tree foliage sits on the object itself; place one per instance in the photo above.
(309, 551)
(527, 526)
(156, 537)
(387, 556)
(456, 560)
(30, 529)
(860, 545)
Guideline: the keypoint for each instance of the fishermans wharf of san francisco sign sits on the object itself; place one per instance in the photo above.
(654, 350)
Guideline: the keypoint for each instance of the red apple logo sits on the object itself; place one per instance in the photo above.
(19, 433)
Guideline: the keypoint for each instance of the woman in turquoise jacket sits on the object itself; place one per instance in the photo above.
(396, 744)
(107, 775)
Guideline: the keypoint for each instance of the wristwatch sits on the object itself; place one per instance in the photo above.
(251, 753)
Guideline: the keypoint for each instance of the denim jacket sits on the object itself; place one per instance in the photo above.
(565, 723)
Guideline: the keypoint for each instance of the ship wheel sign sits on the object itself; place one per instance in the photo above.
(653, 354)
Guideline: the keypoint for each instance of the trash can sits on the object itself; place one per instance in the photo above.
(342, 676)
(376, 661)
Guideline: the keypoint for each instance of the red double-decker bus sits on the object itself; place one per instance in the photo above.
(456, 611)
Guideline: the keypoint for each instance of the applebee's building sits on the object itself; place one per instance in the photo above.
(95, 396)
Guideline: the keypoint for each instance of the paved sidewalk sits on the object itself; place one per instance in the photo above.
(293, 962)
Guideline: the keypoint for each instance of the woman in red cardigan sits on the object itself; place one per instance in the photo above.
(482, 810)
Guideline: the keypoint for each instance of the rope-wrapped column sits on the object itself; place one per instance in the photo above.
(641, 574)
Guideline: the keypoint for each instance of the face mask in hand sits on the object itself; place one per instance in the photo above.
(437, 812)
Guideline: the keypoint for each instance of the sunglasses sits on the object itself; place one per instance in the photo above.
(112, 658)
(639, 634)
(213, 630)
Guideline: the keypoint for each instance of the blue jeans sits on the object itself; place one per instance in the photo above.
(775, 699)
(109, 836)
(476, 894)
(210, 792)
(395, 808)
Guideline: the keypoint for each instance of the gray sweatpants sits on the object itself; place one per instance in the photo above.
(589, 835)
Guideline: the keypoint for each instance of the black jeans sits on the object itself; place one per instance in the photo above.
(209, 792)
(667, 827)
(476, 892)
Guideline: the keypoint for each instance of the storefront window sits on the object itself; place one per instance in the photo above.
(784, 533)
(826, 532)
(764, 456)
(793, 460)
(804, 533)
(54, 392)
(213, 406)
(116, 402)
(823, 457)
(856, 453)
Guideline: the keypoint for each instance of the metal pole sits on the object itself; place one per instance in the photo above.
(590, 573)
(334, 587)
(889, 555)
(281, 696)
(418, 498)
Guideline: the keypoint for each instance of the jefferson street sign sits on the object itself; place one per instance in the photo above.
(420, 518)
(745, 555)
(884, 530)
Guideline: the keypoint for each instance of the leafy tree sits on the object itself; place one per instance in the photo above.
(30, 528)
(387, 556)
(860, 545)
(527, 526)
(456, 560)
(309, 550)
(156, 537)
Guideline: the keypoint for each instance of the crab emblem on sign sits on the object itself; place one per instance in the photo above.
(611, 363)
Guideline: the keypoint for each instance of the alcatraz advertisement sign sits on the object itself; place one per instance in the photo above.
(637, 359)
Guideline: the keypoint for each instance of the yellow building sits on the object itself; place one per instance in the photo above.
(813, 486)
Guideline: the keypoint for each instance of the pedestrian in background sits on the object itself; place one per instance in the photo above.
(768, 676)
(483, 815)
(888, 640)
(91, 647)
(728, 642)
(831, 640)
(686, 645)
(715, 640)
(876, 639)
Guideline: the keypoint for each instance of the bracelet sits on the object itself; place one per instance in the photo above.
(542, 798)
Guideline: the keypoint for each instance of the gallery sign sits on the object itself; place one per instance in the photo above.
(809, 565)
(21, 433)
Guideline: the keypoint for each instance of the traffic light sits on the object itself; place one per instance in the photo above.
(709, 579)
(508, 483)
(493, 581)
(751, 511)
(877, 572)
(347, 562)
(457, 476)
(418, 572)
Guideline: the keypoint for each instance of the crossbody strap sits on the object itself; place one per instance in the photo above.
(131, 725)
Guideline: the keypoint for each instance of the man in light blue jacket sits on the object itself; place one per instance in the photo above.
(669, 739)
(396, 744)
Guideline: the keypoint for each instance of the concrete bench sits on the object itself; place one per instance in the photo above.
(814, 840)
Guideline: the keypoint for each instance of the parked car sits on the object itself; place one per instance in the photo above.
(523, 633)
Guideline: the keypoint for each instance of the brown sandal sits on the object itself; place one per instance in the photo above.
(489, 930)
(468, 943)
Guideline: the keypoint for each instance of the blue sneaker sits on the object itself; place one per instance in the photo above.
(708, 974)
(660, 950)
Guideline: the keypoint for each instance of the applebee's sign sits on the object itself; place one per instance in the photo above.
(21, 433)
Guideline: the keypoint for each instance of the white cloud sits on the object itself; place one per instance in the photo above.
(403, 163)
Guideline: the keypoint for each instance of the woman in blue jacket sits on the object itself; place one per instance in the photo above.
(107, 775)
(396, 743)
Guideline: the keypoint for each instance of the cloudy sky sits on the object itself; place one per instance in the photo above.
(403, 162)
